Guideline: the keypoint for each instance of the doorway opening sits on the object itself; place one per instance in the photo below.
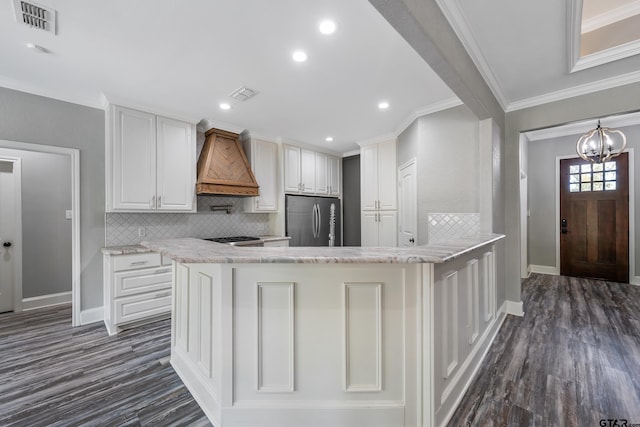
(10, 234)
(73, 162)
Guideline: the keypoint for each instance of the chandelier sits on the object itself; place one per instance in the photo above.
(601, 144)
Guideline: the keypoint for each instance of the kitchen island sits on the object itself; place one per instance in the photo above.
(291, 336)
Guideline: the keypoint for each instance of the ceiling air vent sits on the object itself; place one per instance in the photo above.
(243, 93)
(35, 15)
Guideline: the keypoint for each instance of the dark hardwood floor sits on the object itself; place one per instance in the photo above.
(54, 375)
(572, 360)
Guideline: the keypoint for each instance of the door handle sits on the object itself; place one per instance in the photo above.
(412, 240)
(319, 221)
(6, 244)
(563, 226)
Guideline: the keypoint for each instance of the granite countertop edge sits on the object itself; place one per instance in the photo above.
(193, 251)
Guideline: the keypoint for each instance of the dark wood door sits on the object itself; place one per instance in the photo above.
(594, 219)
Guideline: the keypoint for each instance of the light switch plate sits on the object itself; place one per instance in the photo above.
(67, 214)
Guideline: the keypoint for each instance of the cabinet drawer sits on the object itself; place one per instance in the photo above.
(137, 307)
(135, 282)
(130, 262)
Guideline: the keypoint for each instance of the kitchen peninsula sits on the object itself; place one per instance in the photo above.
(342, 336)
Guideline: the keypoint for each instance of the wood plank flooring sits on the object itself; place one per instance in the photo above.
(54, 375)
(572, 360)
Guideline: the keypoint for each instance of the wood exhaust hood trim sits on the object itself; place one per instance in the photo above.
(223, 167)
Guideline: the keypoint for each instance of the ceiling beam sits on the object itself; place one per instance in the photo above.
(423, 25)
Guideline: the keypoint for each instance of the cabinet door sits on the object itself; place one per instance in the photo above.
(264, 162)
(133, 160)
(176, 174)
(335, 187)
(369, 227)
(322, 176)
(387, 228)
(292, 179)
(308, 170)
(369, 177)
(387, 181)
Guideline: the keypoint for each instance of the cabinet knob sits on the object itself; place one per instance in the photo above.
(412, 240)
(6, 244)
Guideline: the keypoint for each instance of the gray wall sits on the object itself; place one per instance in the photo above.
(351, 221)
(39, 120)
(622, 99)
(46, 234)
(542, 194)
(445, 145)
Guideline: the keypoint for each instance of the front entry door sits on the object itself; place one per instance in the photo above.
(594, 219)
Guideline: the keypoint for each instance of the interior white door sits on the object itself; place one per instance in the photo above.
(408, 227)
(8, 214)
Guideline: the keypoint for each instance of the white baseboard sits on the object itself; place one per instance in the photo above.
(634, 280)
(46, 300)
(544, 269)
(91, 315)
(513, 307)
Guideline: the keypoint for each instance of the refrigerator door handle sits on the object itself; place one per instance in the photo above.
(319, 221)
(316, 214)
(313, 222)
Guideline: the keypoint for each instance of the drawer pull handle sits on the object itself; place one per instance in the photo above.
(139, 262)
(166, 270)
(162, 295)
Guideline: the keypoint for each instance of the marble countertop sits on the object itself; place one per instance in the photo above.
(188, 250)
(125, 250)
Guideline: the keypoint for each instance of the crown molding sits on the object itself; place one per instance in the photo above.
(206, 124)
(584, 89)
(110, 99)
(611, 16)
(429, 109)
(453, 12)
(578, 128)
(608, 55)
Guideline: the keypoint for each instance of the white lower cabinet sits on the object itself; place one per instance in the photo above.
(379, 228)
(136, 287)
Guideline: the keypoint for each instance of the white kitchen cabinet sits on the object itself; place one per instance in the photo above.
(322, 178)
(334, 168)
(379, 228)
(292, 178)
(150, 162)
(263, 158)
(310, 172)
(378, 176)
(136, 287)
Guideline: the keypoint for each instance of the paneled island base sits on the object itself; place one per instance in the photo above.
(333, 344)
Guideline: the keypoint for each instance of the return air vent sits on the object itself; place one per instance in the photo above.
(35, 16)
(243, 93)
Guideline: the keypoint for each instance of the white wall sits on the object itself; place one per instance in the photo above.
(46, 234)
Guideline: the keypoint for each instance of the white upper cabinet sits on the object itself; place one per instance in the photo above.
(263, 158)
(308, 171)
(311, 172)
(335, 186)
(378, 176)
(175, 171)
(292, 178)
(150, 162)
(322, 181)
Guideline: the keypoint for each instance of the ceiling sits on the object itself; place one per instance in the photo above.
(523, 50)
(184, 58)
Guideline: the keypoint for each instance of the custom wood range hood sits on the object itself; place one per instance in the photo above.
(223, 167)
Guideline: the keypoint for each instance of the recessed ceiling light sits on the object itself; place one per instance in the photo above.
(225, 106)
(299, 56)
(327, 27)
(383, 105)
(329, 139)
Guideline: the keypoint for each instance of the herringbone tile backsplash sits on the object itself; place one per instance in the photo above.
(444, 226)
(122, 228)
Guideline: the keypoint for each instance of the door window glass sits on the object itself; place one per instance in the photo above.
(596, 177)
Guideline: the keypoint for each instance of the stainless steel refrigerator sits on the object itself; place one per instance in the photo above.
(313, 221)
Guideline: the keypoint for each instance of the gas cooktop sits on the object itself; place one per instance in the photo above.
(237, 240)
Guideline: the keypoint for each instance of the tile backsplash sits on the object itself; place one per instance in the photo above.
(444, 226)
(122, 228)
